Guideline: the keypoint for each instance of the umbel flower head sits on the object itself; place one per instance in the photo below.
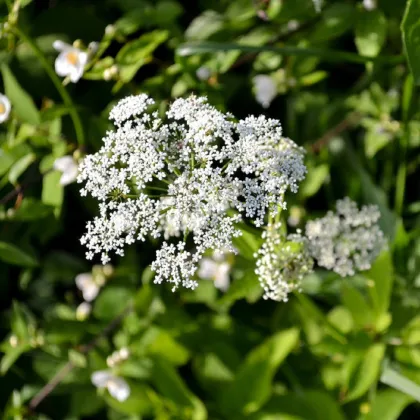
(348, 240)
(189, 177)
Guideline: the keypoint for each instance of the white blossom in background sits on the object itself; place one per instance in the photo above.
(83, 311)
(203, 73)
(216, 269)
(282, 262)
(265, 89)
(69, 168)
(195, 173)
(317, 5)
(369, 4)
(348, 240)
(70, 62)
(88, 286)
(5, 108)
(117, 357)
(116, 385)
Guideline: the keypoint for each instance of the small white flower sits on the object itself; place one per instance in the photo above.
(369, 4)
(83, 311)
(265, 89)
(317, 5)
(124, 353)
(88, 286)
(116, 386)
(203, 73)
(215, 269)
(5, 108)
(70, 62)
(13, 340)
(69, 168)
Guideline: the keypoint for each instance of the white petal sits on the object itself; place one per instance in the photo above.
(83, 311)
(61, 46)
(62, 65)
(221, 280)
(100, 378)
(4, 101)
(265, 89)
(119, 388)
(90, 292)
(83, 280)
(76, 73)
(69, 175)
(207, 269)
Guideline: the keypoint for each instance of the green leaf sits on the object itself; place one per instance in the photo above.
(370, 32)
(137, 403)
(398, 381)
(171, 386)
(31, 209)
(388, 405)
(251, 387)
(13, 255)
(307, 405)
(20, 167)
(313, 182)
(204, 26)
(111, 302)
(22, 103)
(368, 372)
(410, 28)
(52, 190)
(357, 304)
(11, 356)
(382, 275)
(136, 53)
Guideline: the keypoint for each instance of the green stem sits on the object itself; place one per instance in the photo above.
(327, 55)
(77, 123)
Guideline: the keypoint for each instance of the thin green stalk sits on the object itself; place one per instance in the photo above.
(77, 123)
(327, 55)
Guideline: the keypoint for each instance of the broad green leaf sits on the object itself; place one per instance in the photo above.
(22, 103)
(171, 386)
(307, 405)
(31, 209)
(358, 306)
(398, 381)
(20, 167)
(251, 387)
(370, 32)
(204, 26)
(52, 190)
(111, 302)
(10, 357)
(335, 21)
(313, 182)
(136, 53)
(410, 28)
(368, 372)
(13, 255)
(138, 402)
(388, 405)
(341, 318)
(382, 275)
(375, 141)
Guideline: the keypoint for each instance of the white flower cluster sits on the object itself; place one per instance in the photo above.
(190, 176)
(282, 262)
(348, 240)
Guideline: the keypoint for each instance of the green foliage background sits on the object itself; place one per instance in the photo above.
(342, 349)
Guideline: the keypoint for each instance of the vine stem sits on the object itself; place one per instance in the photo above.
(77, 123)
(69, 366)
